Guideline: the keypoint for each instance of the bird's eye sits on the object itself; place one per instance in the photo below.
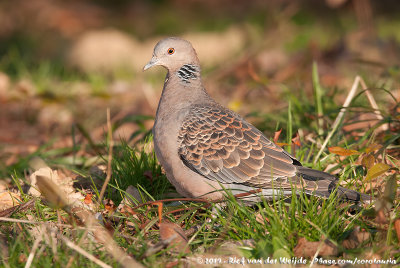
(171, 51)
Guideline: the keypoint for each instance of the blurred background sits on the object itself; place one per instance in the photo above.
(62, 63)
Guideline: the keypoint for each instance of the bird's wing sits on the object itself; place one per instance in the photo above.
(221, 146)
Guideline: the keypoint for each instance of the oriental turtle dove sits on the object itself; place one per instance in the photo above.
(205, 147)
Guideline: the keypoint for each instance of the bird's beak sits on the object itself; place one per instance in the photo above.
(150, 64)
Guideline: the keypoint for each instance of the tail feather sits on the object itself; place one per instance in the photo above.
(352, 195)
(327, 183)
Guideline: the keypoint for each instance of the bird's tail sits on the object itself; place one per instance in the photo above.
(352, 195)
(327, 183)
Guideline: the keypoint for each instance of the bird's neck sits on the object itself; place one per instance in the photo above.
(183, 87)
(188, 73)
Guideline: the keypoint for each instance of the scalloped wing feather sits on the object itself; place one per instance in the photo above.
(222, 146)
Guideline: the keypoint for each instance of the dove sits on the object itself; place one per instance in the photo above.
(206, 149)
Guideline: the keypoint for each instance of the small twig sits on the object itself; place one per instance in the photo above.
(110, 151)
(20, 208)
(32, 253)
(78, 249)
(40, 222)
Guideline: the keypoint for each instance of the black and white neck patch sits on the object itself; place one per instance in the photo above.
(187, 72)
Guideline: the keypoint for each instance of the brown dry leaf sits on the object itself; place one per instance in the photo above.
(376, 170)
(380, 217)
(8, 200)
(296, 140)
(368, 161)
(88, 199)
(356, 238)
(342, 151)
(307, 249)
(180, 242)
(397, 228)
(52, 192)
(276, 135)
(109, 205)
(372, 148)
(63, 184)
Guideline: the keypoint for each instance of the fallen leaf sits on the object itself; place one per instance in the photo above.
(342, 151)
(88, 199)
(372, 148)
(8, 200)
(380, 217)
(276, 135)
(109, 205)
(54, 184)
(52, 192)
(180, 242)
(368, 161)
(389, 195)
(376, 170)
(397, 229)
(307, 249)
(296, 140)
(355, 238)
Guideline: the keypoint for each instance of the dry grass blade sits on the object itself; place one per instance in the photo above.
(374, 105)
(84, 253)
(339, 118)
(357, 81)
(20, 208)
(32, 253)
(110, 151)
(71, 259)
(40, 222)
(102, 236)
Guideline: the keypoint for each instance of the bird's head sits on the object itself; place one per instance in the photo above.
(172, 53)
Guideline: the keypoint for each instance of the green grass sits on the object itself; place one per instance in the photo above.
(274, 227)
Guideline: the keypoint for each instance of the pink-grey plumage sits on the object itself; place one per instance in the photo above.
(205, 147)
